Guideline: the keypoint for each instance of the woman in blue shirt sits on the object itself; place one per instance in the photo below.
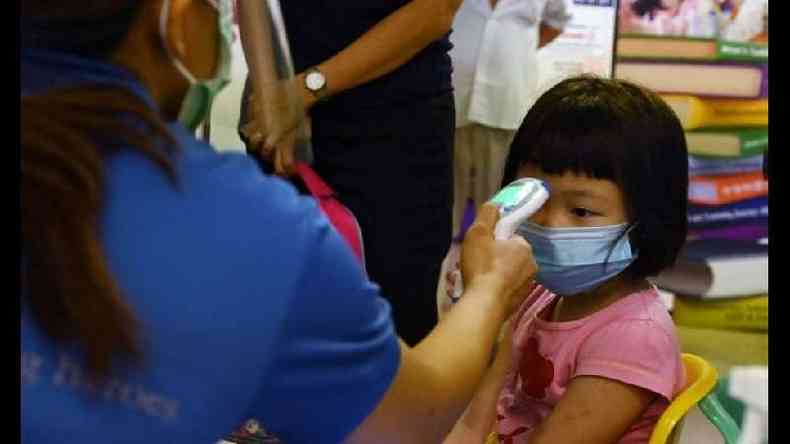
(171, 293)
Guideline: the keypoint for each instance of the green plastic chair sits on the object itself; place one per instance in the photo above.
(701, 380)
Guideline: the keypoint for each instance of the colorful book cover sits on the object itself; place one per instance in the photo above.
(710, 166)
(707, 250)
(728, 143)
(704, 79)
(723, 190)
(741, 52)
(731, 20)
(745, 232)
(743, 313)
(719, 114)
(653, 47)
(718, 268)
(744, 212)
(737, 106)
(724, 347)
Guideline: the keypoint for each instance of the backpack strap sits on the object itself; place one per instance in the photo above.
(315, 185)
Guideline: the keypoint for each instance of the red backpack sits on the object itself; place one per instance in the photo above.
(341, 217)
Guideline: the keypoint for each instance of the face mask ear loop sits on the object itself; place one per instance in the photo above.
(163, 16)
(625, 232)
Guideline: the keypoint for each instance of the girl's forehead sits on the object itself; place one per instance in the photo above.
(571, 182)
(533, 170)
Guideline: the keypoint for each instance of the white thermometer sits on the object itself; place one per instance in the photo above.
(517, 202)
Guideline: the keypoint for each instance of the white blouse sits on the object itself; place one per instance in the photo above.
(494, 58)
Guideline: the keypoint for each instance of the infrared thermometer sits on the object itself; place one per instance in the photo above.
(517, 202)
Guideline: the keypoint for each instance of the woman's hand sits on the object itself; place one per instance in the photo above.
(437, 378)
(274, 141)
(505, 264)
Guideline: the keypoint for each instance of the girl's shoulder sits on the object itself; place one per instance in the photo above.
(636, 344)
(644, 305)
(639, 318)
(641, 306)
(634, 325)
(643, 310)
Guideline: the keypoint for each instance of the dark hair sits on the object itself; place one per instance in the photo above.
(67, 284)
(615, 130)
(642, 7)
(93, 28)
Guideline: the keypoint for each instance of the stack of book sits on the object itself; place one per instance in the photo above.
(718, 89)
(720, 284)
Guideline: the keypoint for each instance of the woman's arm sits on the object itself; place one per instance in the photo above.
(438, 377)
(479, 418)
(379, 51)
(548, 34)
(555, 17)
(386, 46)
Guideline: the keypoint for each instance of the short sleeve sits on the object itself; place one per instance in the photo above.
(556, 14)
(636, 352)
(338, 352)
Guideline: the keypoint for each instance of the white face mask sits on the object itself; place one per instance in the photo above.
(201, 93)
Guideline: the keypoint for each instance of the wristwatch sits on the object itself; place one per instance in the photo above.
(315, 82)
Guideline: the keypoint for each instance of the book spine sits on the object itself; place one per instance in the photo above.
(738, 106)
(741, 51)
(690, 110)
(705, 166)
(711, 190)
(748, 232)
(764, 87)
(749, 313)
(749, 211)
(621, 71)
(699, 113)
(753, 142)
(751, 120)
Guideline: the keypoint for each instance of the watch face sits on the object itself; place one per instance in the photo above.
(314, 81)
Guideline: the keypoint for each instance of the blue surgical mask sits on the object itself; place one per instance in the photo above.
(576, 260)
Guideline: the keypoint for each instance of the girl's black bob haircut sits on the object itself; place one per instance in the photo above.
(615, 130)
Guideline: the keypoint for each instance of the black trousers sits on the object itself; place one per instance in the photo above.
(393, 169)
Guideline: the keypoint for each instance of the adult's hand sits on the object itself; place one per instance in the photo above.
(438, 377)
(274, 141)
(506, 264)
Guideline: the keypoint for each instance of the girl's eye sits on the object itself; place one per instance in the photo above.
(581, 212)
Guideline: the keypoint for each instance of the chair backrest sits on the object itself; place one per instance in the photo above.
(701, 379)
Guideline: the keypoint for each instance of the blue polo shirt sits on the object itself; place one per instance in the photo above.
(251, 305)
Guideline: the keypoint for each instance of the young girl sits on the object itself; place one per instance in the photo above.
(594, 356)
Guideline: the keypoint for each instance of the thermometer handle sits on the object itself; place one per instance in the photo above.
(511, 216)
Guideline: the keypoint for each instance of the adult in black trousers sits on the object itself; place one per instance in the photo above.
(376, 79)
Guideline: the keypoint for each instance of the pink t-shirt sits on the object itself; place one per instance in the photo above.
(632, 341)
